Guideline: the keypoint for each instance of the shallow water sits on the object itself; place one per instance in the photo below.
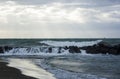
(74, 66)
(102, 66)
(28, 68)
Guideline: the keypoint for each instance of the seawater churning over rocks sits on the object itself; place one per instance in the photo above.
(62, 48)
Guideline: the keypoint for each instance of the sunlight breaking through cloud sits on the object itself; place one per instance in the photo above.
(46, 17)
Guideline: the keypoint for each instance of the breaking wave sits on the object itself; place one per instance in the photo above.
(36, 51)
(51, 48)
(68, 43)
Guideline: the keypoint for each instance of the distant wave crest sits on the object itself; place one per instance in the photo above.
(68, 43)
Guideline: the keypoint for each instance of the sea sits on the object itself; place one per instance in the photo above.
(30, 56)
(36, 42)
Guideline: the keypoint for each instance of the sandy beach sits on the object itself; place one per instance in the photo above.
(10, 72)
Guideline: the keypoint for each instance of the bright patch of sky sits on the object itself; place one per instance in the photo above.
(59, 18)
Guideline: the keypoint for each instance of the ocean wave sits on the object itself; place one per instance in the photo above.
(53, 48)
(68, 43)
(47, 51)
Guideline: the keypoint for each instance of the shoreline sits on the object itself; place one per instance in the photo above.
(10, 72)
(68, 67)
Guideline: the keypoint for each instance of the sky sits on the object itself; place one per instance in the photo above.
(59, 18)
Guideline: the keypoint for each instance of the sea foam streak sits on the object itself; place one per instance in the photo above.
(68, 43)
(30, 69)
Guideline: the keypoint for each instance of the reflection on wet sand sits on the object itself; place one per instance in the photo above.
(30, 69)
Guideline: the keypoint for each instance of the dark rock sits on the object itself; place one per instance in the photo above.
(7, 48)
(74, 49)
(50, 49)
(113, 51)
(97, 50)
(103, 48)
(59, 50)
(85, 47)
(66, 48)
(104, 44)
(1, 50)
(117, 48)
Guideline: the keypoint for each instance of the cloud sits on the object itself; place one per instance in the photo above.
(46, 13)
(55, 19)
(113, 16)
(53, 13)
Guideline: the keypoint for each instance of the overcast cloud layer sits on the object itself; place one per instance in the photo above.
(59, 18)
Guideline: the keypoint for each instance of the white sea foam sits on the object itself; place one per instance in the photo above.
(35, 51)
(68, 43)
(64, 73)
(45, 50)
(28, 68)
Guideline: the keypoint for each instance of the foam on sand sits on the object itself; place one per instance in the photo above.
(28, 68)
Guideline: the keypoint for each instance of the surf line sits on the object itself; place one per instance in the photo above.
(28, 68)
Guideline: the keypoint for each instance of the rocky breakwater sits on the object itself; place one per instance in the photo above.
(5, 48)
(103, 48)
(100, 48)
(72, 49)
(32, 50)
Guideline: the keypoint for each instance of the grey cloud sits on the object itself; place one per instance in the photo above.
(72, 18)
(92, 2)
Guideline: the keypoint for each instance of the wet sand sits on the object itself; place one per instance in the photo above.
(11, 73)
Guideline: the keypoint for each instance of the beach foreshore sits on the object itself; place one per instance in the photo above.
(10, 72)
